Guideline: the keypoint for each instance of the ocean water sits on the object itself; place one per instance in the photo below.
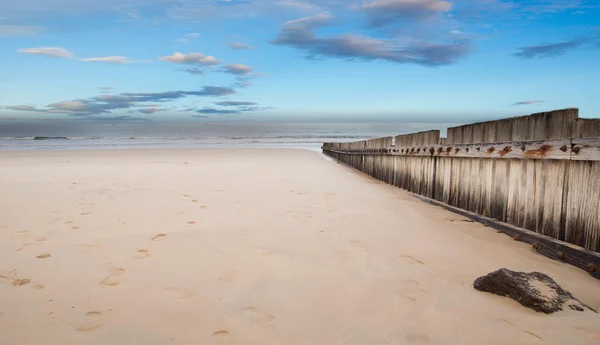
(73, 135)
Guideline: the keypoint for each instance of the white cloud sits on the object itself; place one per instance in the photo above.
(48, 51)
(109, 59)
(19, 30)
(193, 35)
(191, 59)
(238, 69)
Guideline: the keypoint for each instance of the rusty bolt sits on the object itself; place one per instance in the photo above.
(456, 150)
(517, 237)
(431, 151)
(418, 150)
(478, 149)
(576, 149)
(506, 148)
(412, 149)
(523, 148)
(467, 149)
(591, 268)
(440, 149)
(536, 246)
(491, 149)
(563, 148)
(560, 255)
(448, 149)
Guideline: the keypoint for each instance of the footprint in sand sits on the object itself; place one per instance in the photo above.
(359, 245)
(255, 316)
(20, 282)
(412, 291)
(159, 237)
(74, 227)
(417, 338)
(44, 256)
(220, 334)
(191, 223)
(92, 321)
(142, 254)
(86, 213)
(413, 260)
(114, 278)
(341, 257)
(182, 293)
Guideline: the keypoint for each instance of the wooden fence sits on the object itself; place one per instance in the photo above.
(539, 172)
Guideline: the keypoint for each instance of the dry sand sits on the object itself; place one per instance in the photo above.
(251, 247)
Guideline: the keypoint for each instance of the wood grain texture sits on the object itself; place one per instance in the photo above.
(539, 172)
(540, 126)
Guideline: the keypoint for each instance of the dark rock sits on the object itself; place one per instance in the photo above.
(533, 290)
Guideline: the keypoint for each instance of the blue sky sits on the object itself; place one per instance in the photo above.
(396, 59)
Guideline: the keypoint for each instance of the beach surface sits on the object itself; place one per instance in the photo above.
(251, 246)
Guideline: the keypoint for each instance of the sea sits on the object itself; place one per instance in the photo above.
(73, 135)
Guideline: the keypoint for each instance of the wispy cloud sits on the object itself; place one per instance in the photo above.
(234, 103)
(526, 102)
(193, 35)
(241, 46)
(118, 118)
(195, 71)
(48, 51)
(229, 111)
(237, 69)
(551, 49)
(301, 35)
(191, 59)
(107, 103)
(384, 12)
(19, 30)
(242, 82)
(151, 110)
(109, 59)
(213, 111)
(22, 108)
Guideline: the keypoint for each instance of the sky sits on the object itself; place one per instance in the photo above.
(196, 60)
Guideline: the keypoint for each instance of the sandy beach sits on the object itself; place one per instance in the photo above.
(251, 246)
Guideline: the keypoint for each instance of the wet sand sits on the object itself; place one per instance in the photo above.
(251, 247)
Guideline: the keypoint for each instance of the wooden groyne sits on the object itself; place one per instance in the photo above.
(539, 172)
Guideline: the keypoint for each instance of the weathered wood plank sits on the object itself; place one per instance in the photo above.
(582, 223)
(552, 149)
